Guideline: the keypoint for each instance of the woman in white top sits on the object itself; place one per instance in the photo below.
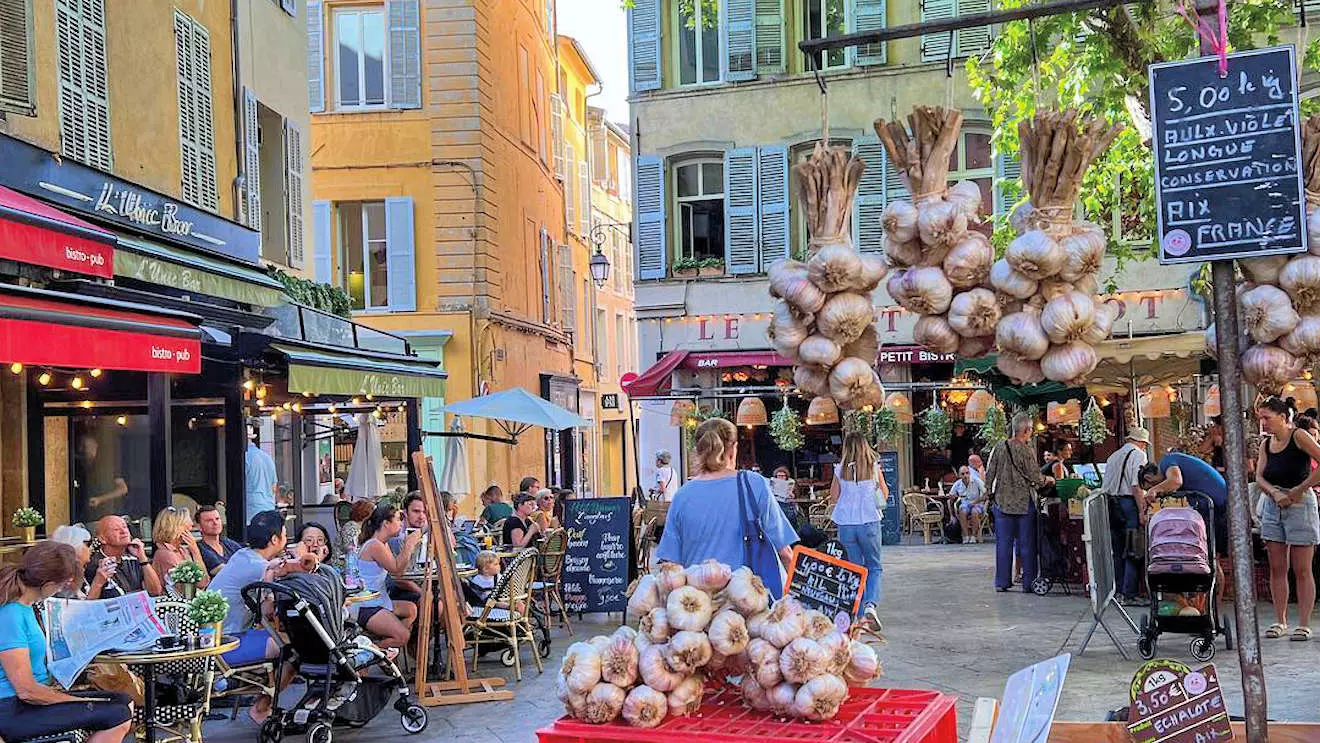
(666, 480)
(859, 494)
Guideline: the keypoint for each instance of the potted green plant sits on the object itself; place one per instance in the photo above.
(28, 519)
(186, 575)
(685, 268)
(208, 609)
(710, 267)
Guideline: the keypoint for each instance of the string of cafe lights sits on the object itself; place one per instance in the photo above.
(261, 392)
(46, 376)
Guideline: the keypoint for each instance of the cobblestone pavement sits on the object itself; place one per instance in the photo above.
(947, 630)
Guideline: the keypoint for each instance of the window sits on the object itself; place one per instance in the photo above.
(620, 344)
(364, 257)
(570, 187)
(192, 46)
(699, 190)
(16, 81)
(84, 90)
(972, 160)
(823, 18)
(360, 57)
(543, 130)
(966, 42)
(698, 41)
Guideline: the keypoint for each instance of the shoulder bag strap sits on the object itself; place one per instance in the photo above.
(750, 528)
(1122, 472)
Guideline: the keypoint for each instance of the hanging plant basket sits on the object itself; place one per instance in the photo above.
(936, 427)
(786, 428)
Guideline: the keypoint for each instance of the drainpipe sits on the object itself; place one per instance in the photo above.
(472, 306)
(240, 182)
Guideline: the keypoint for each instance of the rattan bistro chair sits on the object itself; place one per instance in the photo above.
(550, 569)
(918, 507)
(506, 617)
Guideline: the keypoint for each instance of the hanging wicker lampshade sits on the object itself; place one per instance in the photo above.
(1154, 403)
(901, 405)
(751, 412)
(1302, 393)
(1211, 405)
(680, 411)
(822, 412)
(977, 405)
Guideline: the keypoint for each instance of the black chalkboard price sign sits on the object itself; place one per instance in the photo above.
(829, 584)
(599, 552)
(1227, 153)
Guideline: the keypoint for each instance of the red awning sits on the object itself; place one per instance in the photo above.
(42, 328)
(725, 359)
(34, 232)
(656, 380)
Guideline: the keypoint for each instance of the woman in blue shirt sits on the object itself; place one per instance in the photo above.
(29, 706)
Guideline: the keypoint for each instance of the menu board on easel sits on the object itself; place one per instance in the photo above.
(599, 552)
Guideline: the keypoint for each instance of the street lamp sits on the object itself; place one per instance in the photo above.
(600, 268)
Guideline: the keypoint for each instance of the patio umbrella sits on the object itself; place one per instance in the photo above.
(516, 410)
(366, 475)
(454, 474)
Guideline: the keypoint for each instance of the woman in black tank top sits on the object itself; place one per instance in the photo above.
(1290, 523)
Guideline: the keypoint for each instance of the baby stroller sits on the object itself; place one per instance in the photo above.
(309, 607)
(1052, 558)
(1180, 579)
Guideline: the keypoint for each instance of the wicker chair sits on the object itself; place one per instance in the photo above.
(183, 721)
(506, 617)
(550, 569)
(918, 508)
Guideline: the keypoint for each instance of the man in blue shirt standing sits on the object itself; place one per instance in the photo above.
(1178, 471)
(259, 469)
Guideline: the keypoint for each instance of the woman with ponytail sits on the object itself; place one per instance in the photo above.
(714, 510)
(29, 706)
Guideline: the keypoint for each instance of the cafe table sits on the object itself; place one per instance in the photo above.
(145, 663)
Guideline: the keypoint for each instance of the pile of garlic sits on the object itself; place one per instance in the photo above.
(708, 624)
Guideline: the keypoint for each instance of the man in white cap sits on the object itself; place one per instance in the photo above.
(1127, 511)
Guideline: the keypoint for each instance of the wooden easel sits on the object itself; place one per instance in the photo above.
(462, 690)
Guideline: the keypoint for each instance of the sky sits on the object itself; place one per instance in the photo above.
(598, 25)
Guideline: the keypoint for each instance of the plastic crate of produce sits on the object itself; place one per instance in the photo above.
(871, 715)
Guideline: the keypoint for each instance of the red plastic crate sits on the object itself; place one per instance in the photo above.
(869, 716)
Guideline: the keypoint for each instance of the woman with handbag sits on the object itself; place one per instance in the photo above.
(1015, 476)
(699, 526)
(859, 495)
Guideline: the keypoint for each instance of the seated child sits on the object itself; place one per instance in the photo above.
(479, 586)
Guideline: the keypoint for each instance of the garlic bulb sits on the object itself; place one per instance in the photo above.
(761, 652)
(834, 267)
(820, 698)
(1069, 362)
(1301, 279)
(863, 665)
(790, 281)
(1313, 230)
(710, 575)
(966, 195)
(1006, 279)
(645, 597)
(782, 271)
(1267, 313)
(599, 642)
(687, 651)
(574, 704)
(604, 703)
(756, 621)
(817, 349)
(869, 277)
(935, 333)
(1268, 368)
(768, 674)
(1035, 255)
(1105, 314)
(754, 694)
(976, 347)
(818, 625)
(811, 379)
(1087, 285)
(1084, 250)
(940, 225)
(787, 620)
(642, 641)
(688, 608)
(838, 651)
(1020, 333)
(782, 697)
(1264, 270)
(899, 221)
(1019, 369)
(851, 379)
(1023, 217)
(618, 662)
(968, 264)
(1067, 317)
(645, 707)
(1304, 340)
(728, 633)
(974, 313)
(803, 660)
(670, 576)
(746, 593)
(1050, 289)
(786, 327)
(845, 316)
(655, 625)
(655, 672)
(581, 667)
(866, 347)
(902, 254)
(685, 699)
(624, 631)
(924, 290)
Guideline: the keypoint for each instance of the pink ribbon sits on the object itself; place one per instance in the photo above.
(1204, 29)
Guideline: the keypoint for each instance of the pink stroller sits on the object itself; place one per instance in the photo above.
(1180, 553)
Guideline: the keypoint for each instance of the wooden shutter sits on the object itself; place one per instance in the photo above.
(192, 47)
(567, 296)
(322, 254)
(570, 186)
(649, 201)
(546, 310)
(584, 197)
(738, 29)
(769, 36)
(935, 47)
(869, 15)
(972, 41)
(600, 148)
(1008, 183)
(401, 268)
(315, 57)
(405, 54)
(84, 89)
(868, 237)
(295, 182)
(251, 160)
(772, 195)
(740, 211)
(644, 45)
(557, 129)
(16, 78)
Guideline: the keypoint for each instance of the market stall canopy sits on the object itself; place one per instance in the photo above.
(658, 378)
(366, 475)
(327, 372)
(1041, 393)
(1146, 360)
(156, 263)
(515, 410)
(454, 474)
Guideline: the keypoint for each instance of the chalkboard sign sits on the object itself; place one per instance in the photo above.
(599, 552)
(891, 528)
(1227, 152)
(1187, 710)
(825, 583)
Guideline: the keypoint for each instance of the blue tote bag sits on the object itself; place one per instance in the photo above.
(758, 553)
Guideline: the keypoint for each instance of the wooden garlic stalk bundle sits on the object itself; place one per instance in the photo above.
(1311, 177)
(920, 152)
(827, 182)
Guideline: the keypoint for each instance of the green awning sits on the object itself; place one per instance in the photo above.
(1018, 394)
(159, 264)
(330, 373)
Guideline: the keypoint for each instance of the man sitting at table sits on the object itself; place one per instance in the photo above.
(216, 548)
(970, 492)
(414, 518)
(119, 566)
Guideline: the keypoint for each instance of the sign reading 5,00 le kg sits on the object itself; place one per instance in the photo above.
(1228, 181)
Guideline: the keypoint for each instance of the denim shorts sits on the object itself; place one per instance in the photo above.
(1298, 524)
(966, 506)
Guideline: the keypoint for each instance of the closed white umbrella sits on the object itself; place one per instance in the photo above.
(366, 475)
(454, 475)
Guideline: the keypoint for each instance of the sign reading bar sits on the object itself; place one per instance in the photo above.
(829, 584)
(596, 564)
(1227, 152)
(1189, 709)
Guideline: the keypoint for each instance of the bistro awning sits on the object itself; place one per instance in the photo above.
(319, 371)
(657, 380)
(34, 232)
(725, 359)
(46, 328)
(160, 264)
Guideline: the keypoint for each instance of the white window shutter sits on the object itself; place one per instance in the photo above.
(740, 211)
(251, 160)
(567, 298)
(401, 268)
(969, 42)
(192, 48)
(84, 89)
(1008, 184)
(16, 65)
(322, 254)
(207, 186)
(935, 47)
(315, 56)
(772, 195)
(644, 45)
(295, 182)
(557, 129)
(769, 36)
(405, 53)
(570, 187)
(600, 168)
(869, 15)
(649, 203)
(584, 197)
(868, 236)
(738, 33)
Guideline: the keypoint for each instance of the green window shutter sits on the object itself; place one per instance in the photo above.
(1008, 171)
(649, 201)
(738, 32)
(644, 46)
(869, 15)
(740, 211)
(772, 195)
(868, 237)
(769, 36)
(84, 89)
(969, 42)
(192, 47)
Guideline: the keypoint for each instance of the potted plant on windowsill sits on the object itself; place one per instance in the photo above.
(710, 267)
(28, 519)
(685, 268)
(186, 575)
(208, 609)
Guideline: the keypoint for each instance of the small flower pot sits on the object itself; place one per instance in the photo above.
(187, 590)
(685, 273)
(209, 634)
(29, 534)
(707, 271)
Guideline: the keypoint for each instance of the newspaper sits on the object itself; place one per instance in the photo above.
(77, 631)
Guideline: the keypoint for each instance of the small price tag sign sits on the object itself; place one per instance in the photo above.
(1188, 709)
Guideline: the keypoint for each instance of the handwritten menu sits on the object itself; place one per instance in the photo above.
(891, 524)
(1227, 152)
(599, 552)
(1189, 709)
(829, 584)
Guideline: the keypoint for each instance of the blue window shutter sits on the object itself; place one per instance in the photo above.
(649, 198)
(868, 236)
(1008, 172)
(935, 47)
(772, 189)
(769, 36)
(405, 54)
(322, 255)
(644, 45)
(740, 211)
(868, 15)
(315, 57)
(738, 34)
(969, 42)
(402, 268)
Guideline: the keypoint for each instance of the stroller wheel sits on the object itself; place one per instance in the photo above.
(1041, 586)
(1202, 648)
(1147, 642)
(413, 719)
(271, 731)
(507, 658)
(319, 732)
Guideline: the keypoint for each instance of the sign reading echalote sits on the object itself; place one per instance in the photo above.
(1227, 153)
(829, 584)
(1189, 709)
(596, 564)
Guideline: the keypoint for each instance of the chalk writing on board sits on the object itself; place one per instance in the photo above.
(1189, 709)
(828, 584)
(596, 563)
